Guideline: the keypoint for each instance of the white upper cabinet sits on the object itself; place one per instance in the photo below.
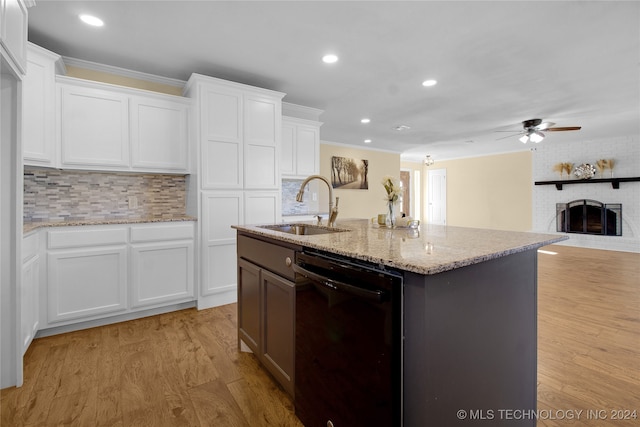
(94, 128)
(159, 133)
(38, 107)
(300, 147)
(240, 131)
(107, 127)
(13, 33)
(263, 128)
(221, 133)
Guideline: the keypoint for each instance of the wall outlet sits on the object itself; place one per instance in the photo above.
(314, 197)
(133, 202)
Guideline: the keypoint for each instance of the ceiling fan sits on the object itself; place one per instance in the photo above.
(532, 130)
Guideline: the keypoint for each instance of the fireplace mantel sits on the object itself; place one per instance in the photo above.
(615, 182)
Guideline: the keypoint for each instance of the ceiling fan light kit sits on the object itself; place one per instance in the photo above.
(532, 130)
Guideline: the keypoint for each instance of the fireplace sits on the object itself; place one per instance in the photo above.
(589, 217)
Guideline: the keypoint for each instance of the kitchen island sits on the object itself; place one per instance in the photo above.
(469, 333)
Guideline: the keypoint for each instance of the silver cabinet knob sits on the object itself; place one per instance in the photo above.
(288, 261)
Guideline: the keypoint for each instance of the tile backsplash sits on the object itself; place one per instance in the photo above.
(290, 206)
(62, 195)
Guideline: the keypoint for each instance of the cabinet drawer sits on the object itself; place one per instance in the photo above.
(267, 255)
(154, 233)
(30, 246)
(75, 238)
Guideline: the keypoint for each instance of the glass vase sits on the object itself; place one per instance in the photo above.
(391, 215)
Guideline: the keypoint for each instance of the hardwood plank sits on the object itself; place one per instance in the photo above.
(195, 365)
(80, 366)
(75, 409)
(216, 406)
(40, 400)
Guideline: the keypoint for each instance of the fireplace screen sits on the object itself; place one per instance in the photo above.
(589, 217)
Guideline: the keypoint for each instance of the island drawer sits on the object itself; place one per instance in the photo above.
(267, 255)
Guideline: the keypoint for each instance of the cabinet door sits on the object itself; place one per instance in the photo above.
(13, 32)
(161, 273)
(220, 210)
(287, 150)
(262, 207)
(94, 128)
(38, 109)
(86, 282)
(159, 135)
(278, 319)
(249, 307)
(262, 134)
(30, 301)
(307, 146)
(221, 143)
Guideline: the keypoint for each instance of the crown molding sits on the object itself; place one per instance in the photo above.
(94, 66)
(301, 112)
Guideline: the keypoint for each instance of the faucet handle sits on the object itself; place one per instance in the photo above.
(319, 219)
(337, 200)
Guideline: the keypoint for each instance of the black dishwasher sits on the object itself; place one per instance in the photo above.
(348, 370)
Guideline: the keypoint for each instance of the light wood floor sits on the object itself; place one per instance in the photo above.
(184, 369)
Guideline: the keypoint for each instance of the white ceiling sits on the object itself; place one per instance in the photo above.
(575, 63)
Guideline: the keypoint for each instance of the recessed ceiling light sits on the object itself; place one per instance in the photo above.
(91, 20)
(329, 59)
(367, 141)
(429, 82)
(365, 120)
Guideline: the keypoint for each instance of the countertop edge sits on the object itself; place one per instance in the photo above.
(29, 227)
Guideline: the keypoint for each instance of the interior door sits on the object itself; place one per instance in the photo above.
(437, 196)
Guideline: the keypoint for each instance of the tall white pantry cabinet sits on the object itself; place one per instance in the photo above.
(239, 130)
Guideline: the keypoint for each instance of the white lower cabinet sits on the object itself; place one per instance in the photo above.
(87, 282)
(30, 291)
(161, 271)
(220, 210)
(262, 207)
(95, 272)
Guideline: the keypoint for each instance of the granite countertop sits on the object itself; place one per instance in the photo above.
(31, 226)
(431, 249)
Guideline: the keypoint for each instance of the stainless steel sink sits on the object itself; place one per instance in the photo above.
(302, 229)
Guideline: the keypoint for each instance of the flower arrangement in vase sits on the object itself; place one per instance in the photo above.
(393, 190)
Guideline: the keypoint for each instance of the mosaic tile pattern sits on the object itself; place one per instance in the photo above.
(72, 196)
(290, 206)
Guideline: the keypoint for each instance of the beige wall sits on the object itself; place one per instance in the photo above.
(99, 76)
(492, 192)
(359, 203)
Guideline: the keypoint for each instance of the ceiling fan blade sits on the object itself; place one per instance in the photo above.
(509, 136)
(544, 125)
(512, 131)
(560, 129)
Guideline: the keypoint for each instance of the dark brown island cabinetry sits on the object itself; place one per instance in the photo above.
(468, 320)
(266, 305)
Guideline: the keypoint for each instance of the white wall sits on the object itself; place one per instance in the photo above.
(626, 152)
